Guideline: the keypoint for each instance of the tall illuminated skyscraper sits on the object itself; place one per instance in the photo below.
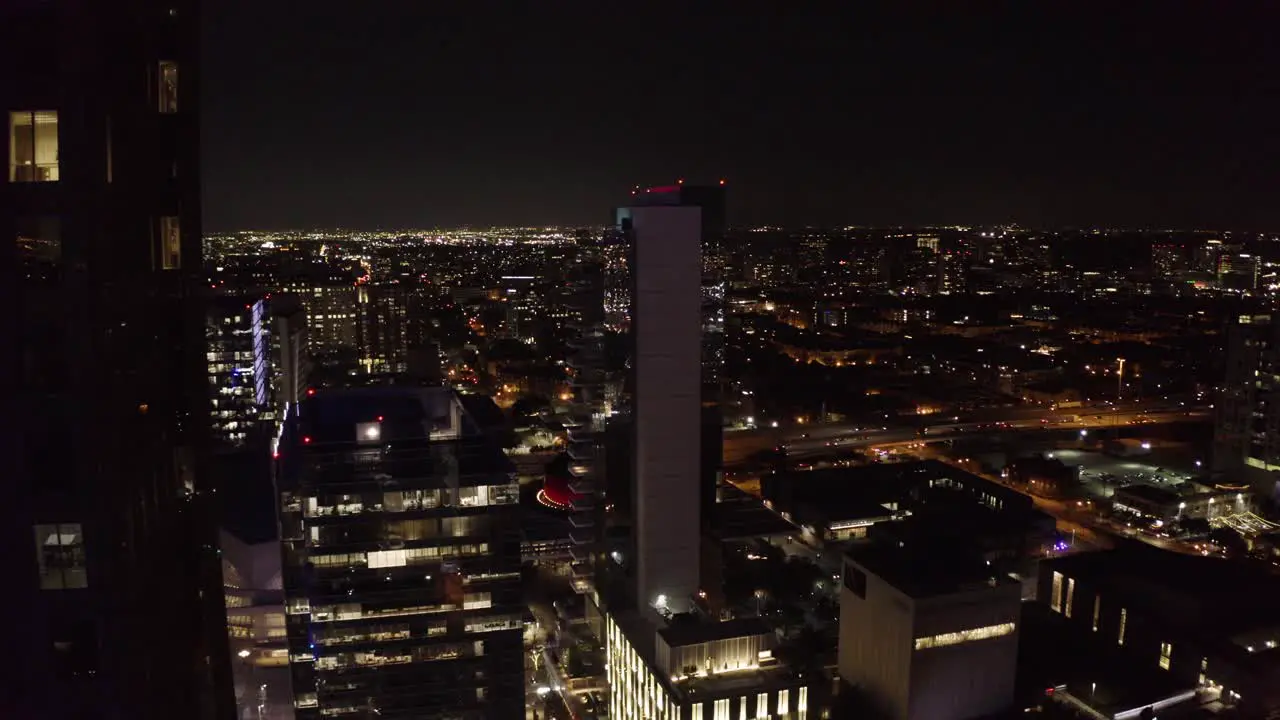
(116, 584)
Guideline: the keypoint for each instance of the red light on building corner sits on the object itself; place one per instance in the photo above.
(306, 439)
(311, 391)
(721, 181)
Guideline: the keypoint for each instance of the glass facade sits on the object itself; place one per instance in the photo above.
(401, 558)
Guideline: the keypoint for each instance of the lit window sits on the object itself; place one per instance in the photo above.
(60, 556)
(762, 705)
(1097, 610)
(169, 243)
(1124, 617)
(1071, 594)
(1166, 651)
(1055, 593)
(167, 90)
(784, 702)
(33, 146)
(39, 240)
(964, 636)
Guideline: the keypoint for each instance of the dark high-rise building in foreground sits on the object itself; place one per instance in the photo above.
(399, 519)
(115, 589)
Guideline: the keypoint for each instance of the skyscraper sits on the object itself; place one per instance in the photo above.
(697, 238)
(400, 526)
(108, 510)
(666, 658)
(666, 412)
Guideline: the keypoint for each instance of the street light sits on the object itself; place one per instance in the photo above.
(243, 654)
(1120, 379)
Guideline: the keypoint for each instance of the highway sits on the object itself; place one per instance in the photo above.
(815, 440)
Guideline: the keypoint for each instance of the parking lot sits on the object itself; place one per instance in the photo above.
(1101, 474)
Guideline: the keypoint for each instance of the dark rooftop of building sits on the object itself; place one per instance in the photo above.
(1149, 493)
(692, 631)
(922, 570)
(738, 515)
(410, 424)
(1229, 594)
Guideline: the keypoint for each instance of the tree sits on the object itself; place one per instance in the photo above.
(527, 406)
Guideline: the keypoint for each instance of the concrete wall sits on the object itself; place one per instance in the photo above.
(972, 679)
(667, 332)
(876, 640)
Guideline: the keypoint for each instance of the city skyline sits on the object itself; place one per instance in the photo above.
(535, 116)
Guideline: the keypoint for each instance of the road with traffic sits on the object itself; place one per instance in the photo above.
(822, 439)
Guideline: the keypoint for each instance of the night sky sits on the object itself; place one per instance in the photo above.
(399, 113)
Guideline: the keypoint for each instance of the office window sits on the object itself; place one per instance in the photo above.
(1124, 618)
(75, 650)
(60, 556)
(169, 243)
(1166, 652)
(33, 146)
(1055, 593)
(1097, 611)
(39, 240)
(762, 705)
(1071, 594)
(167, 90)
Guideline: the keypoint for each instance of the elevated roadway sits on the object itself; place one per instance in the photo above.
(824, 439)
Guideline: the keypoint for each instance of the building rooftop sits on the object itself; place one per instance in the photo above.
(923, 570)
(398, 427)
(693, 632)
(1227, 595)
(1150, 493)
(740, 516)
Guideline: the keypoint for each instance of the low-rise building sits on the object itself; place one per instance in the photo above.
(698, 670)
(1210, 624)
(928, 631)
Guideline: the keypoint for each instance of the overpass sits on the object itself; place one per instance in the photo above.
(820, 439)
